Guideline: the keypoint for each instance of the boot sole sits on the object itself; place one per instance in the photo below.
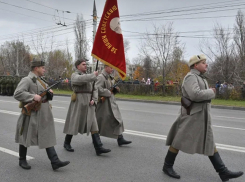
(27, 168)
(69, 150)
(98, 153)
(123, 144)
(231, 178)
(166, 172)
(57, 167)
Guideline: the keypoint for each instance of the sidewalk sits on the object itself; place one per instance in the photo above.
(171, 103)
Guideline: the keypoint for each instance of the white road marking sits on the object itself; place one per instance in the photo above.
(18, 103)
(60, 101)
(58, 107)
(10, 112)
(11, 152)
(156, 136)
(164, 137)
(9, 101)
(176, 114)
(232, 128)
(228, 117)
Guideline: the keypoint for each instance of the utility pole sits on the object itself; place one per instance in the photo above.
(17, 63)
(94, 29)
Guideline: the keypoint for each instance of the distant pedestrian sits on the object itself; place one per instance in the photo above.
(148, 82)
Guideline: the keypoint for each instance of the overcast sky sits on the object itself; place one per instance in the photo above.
(193, 19)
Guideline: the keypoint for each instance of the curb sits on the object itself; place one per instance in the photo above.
(170, 103)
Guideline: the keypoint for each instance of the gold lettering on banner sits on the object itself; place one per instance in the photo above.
(106, 17)
(103, 29)
(106, 42)
(114, 50)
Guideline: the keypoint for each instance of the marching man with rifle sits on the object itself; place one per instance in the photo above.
(35, 126)
(108, 114)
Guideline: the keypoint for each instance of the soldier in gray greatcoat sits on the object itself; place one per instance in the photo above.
(192, 131)
(81, 114)
(107, 112)
(37, 128)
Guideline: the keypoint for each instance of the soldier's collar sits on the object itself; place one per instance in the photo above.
(198, 73)
(79, 72)
(33, 76)
(106, 75)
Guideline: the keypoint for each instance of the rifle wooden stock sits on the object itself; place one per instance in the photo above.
(112, 90)
(32, 106)
(102, 99)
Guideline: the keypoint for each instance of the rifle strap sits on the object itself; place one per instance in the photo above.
(43, 84)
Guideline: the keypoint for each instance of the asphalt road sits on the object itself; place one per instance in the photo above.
(146, 124)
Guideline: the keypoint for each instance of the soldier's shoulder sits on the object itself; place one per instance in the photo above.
(101, 77)
(190, 76)
(26, 79)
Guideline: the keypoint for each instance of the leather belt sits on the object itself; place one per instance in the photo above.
(205, 101)
(84, 92)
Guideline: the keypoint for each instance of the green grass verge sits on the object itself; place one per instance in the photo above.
(220, 102)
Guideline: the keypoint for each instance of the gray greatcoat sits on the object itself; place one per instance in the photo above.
(193, 133)
(81, 115)
(39, 126)
(108, 114)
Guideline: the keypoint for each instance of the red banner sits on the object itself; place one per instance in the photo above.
(108, 44)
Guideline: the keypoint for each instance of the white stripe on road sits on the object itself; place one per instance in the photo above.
(144, 134)
(228, 117)
(18, 103)
(229, 128)
(9, 101)
(157, 136)
(175, 114)
(11, 152)
(58, 107)
(150, 112)
(10, 112)
(60, 101)
(164, 137)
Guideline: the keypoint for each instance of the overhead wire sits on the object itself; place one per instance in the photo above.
(181, 8)
(30, 9)
(193, 13)
(158, 18)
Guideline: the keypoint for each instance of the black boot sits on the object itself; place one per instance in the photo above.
(168, 165)
(122, 141)
(22, 160)
(98, 145)
(220, 168)
(55, 161)
(67, 143)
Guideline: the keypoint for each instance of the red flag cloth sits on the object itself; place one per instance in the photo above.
(108, 44)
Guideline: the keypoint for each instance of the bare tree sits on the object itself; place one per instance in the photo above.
(148, 72)
(42, 44)
(15, 58)
(160, 46)
(222, 55)
(81, 42)
(239, 38)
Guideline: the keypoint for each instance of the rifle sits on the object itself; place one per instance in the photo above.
(35, 105)
(113, 91)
